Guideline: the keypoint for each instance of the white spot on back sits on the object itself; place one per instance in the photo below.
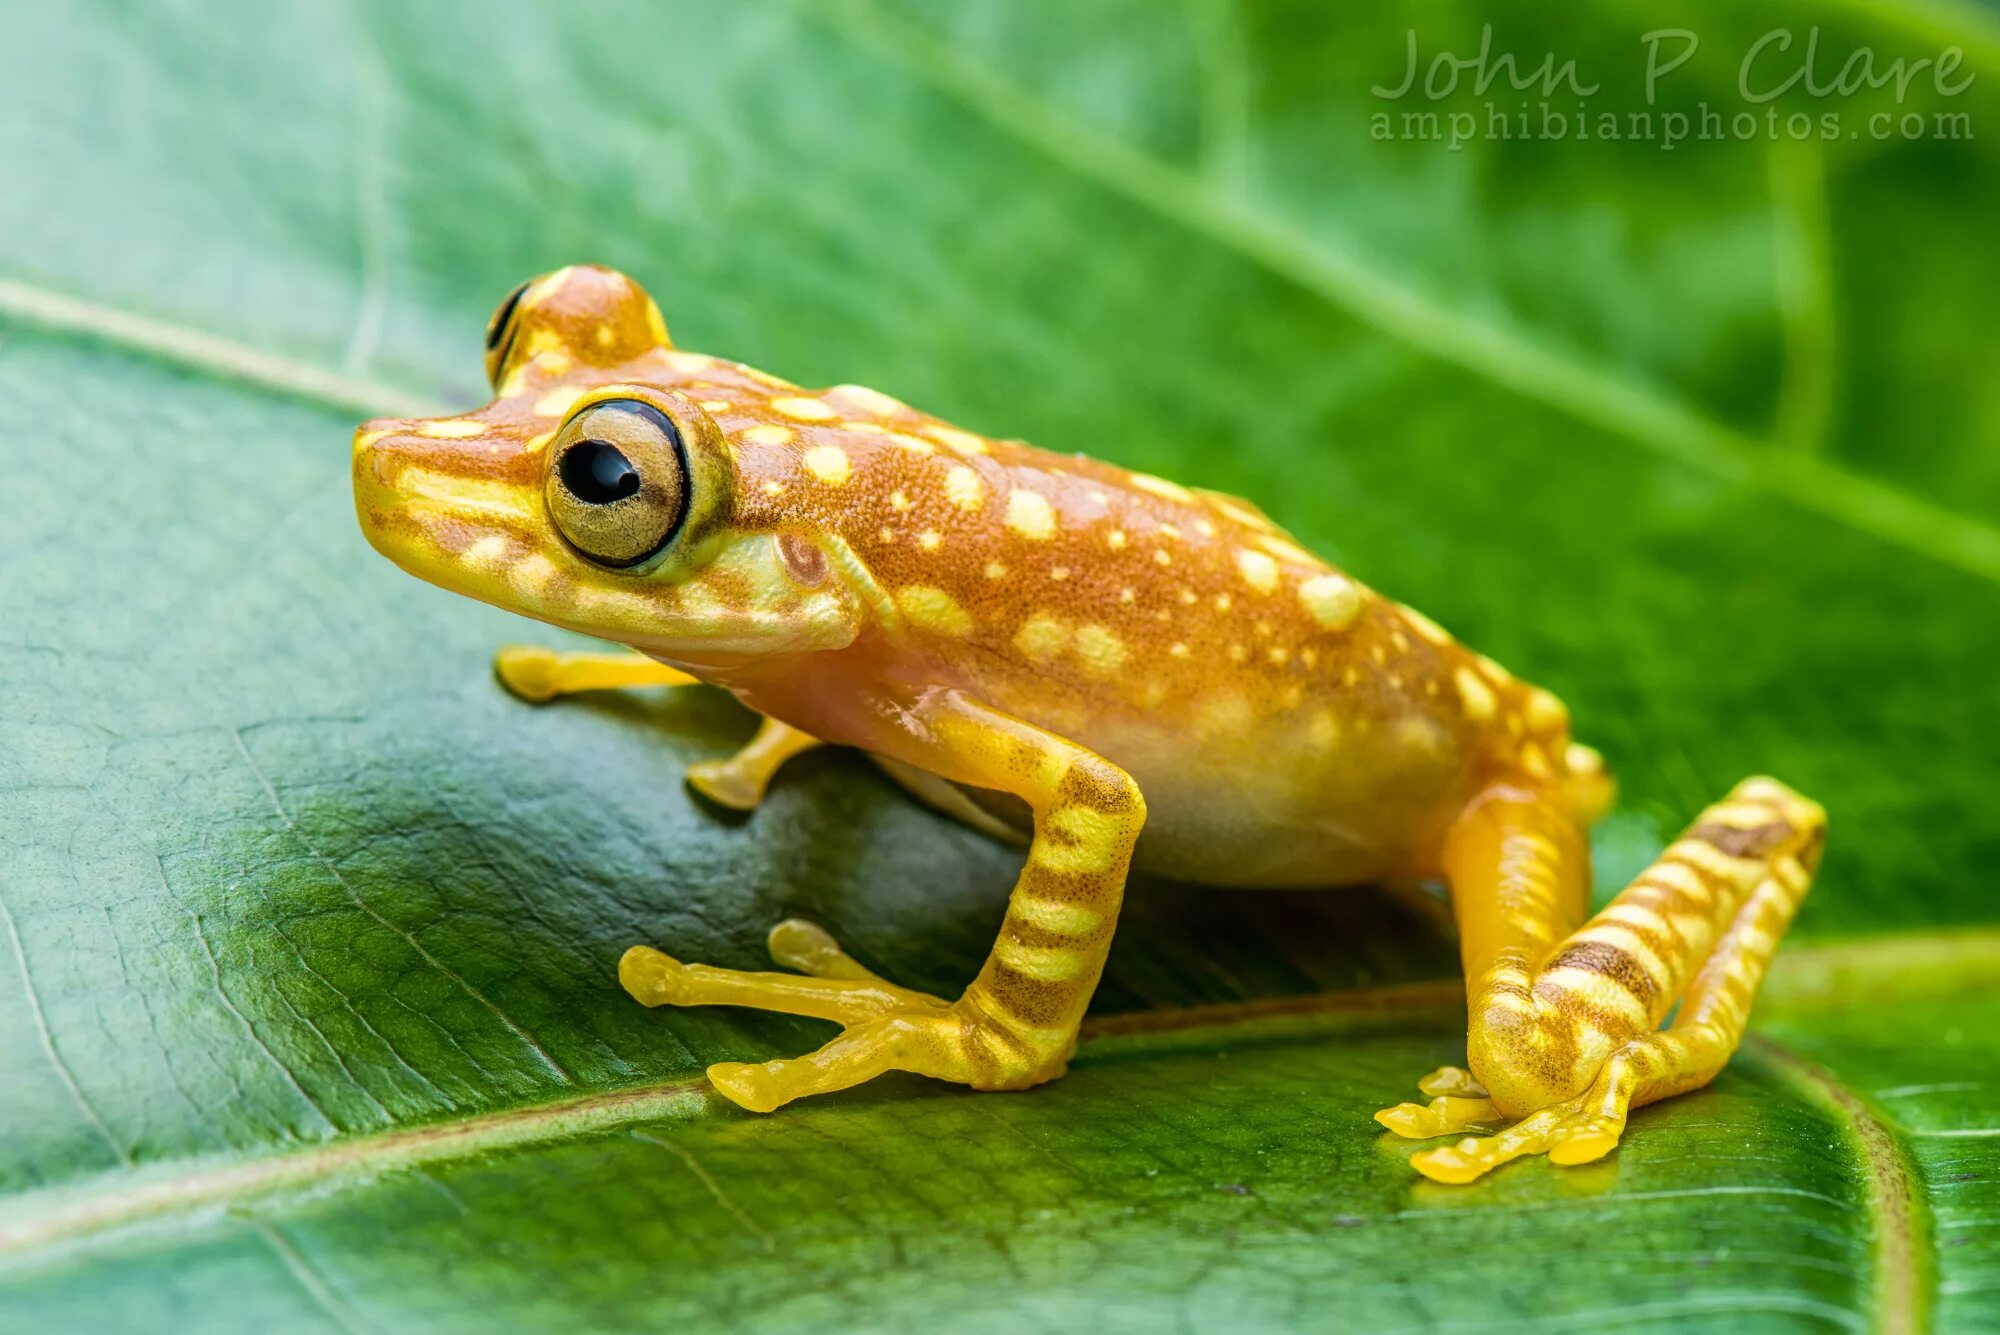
(963, 488)
(1041, 637)
(1424, 626)
(959, 442)
(828, 463)
(1030, 515)
(1259, 571)
(1159, 486)
(1475, 694)
(1101, 652)
(1331, 600)
(803, 408)
(868, 400)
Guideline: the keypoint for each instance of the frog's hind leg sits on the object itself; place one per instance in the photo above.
(1565, 1033)
(1016, 1024)
(538, 675)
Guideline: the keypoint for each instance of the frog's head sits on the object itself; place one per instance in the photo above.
(594, 494)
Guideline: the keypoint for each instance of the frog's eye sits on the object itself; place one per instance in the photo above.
(618, 481)
(500, 334)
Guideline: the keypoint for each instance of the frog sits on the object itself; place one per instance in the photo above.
(1108, 668)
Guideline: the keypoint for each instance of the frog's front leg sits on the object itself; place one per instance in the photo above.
(1565, 1028)
(1016, 1025)
(740, 781)
(538, 675)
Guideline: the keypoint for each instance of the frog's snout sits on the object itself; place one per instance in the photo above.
(371, 433)
(375, 473)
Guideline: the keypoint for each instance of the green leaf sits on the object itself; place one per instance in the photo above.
(308, 1011)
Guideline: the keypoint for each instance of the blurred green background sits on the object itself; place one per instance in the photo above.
(307, 1002)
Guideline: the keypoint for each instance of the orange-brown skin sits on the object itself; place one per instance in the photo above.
(1078, 653)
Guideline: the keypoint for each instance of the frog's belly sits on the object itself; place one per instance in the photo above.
(1294, 816)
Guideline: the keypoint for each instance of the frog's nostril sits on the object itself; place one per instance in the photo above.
(377, 461)
(374, 429)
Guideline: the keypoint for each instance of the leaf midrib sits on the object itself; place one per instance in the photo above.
(1856, 972)
(1899, 1218)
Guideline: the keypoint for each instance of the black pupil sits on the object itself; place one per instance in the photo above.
(597, 474)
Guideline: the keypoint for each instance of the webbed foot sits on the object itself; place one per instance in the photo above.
(1575, 1131)
(885, 1027)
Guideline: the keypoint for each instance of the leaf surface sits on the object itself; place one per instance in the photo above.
(307, 997)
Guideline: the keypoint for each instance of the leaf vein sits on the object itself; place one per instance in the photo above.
(1901, 1221)
(48, 1038)
(1503, 355)
(119, 1200)
(555, 1067)
(187, 346)
(257, 1039)
(308, 1279)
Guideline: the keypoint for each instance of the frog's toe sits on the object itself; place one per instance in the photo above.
(650, 975)
(1456, 1165)
(740, 781)
(1452, 1081)
(1445, 1115)
(1575, 1131)
(728, 784)
(746, 1084)
(927, 1042)
(528, 671)
(1586, 1139)
(811, 949)
(1458, 1102)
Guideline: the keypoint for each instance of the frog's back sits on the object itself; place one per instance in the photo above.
(1287, 724)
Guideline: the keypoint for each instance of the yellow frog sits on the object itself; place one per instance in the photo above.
(1107, 666)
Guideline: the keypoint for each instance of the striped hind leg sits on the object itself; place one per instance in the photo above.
(1567, 1038)
(1016, 1024)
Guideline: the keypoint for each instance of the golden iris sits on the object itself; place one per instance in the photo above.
(618, 481)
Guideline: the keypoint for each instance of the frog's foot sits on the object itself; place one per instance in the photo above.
(1565, 1024)
(538, 675)
(1574, 1131)
(740, 781)
(886, 1028)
